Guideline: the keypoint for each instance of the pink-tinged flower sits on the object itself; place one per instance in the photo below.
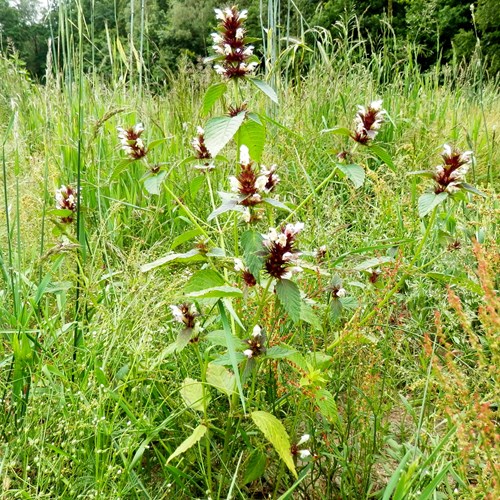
(256, 343)
(66, 199)
(185, 313)
(250, 184)
(368, 121)
(451, 174)
(281, 257)
(201, 151)
(229, 44)
(131, 141)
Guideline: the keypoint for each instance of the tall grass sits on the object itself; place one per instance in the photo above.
(98, 415)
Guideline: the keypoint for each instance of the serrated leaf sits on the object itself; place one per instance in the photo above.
(153, 182)
(276, 204)
(192, 394)
(221, 379)
(338, 131)
(228, 205)
(428, 201)
(456, 280)
(186, 236)
(256, 467)
(308, 315)
(383, 155)
(326, 404)
(251, 242)
(201, 280)
(220, 130)
(227, 360)
(212, 95)
(289, 296)
(217, 292)
(60, 212)
(191, 256)
(276, 434)
(349, 302)
(195, 436)
(355, 173)
(335, 309)
(279, 352)
(253, 135)
(265, 89)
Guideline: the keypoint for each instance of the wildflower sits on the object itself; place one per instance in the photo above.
(256, 343)
(249, 184)
(247, 276)
(131, 141)
(185, 313)
(201, 151)
(281, 254)
(66, 199)
(368, 121)
(304, 453)
(451, 174)
(229, 44)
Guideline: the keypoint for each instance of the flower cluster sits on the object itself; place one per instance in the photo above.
(131, 141)
(201, 151)
(368, 121)
(256, 343)
(229, 44)
(451, 174)
(185, 314)
(281, 257)
(251, 185)
(304, 453)
(66, 199)
(247, 276)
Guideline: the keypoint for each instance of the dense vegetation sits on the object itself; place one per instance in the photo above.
(278, 279)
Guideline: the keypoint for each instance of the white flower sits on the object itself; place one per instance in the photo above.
(238, 265)
(220, 70)
(177, 314)
(246, 215)
(240, 34)
(341, 292)
(200, 130)
(217, 39)
(260, 183)
(257, 330)
(219, 14)
(281, 240)
(248, 353)
(244, 155)
(243, 15)
(248, 51)
(303, 439)
(234, 184)
(138, 128)
(304, 454)
(227, 49)
(377, 106)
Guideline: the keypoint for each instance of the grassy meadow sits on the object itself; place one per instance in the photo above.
(383, 351)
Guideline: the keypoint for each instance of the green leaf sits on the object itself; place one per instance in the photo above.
(186, 236)
(251, 242)
(335, 309)
(153, 182)
(308, 315)
(289, 296)
(355, 173)
(428, 201)
(228, 360)
(192, 394)
(212, 95)
(337, 131)
(276, 434)
(349, 302)
(253, 136)
(217, 292)
(256, 467)
(191, 256)
(265, 89)
(154, 144)
(183, 338)
(382, 154)
(201, 280)
(276, 204)
(472, 189)
(373, 262)
(195, 436)
(221, 379)
(456, 280)
(220, 130)
(326, 404)
(279, 352)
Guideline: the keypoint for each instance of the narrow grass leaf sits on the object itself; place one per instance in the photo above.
(383, 155)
